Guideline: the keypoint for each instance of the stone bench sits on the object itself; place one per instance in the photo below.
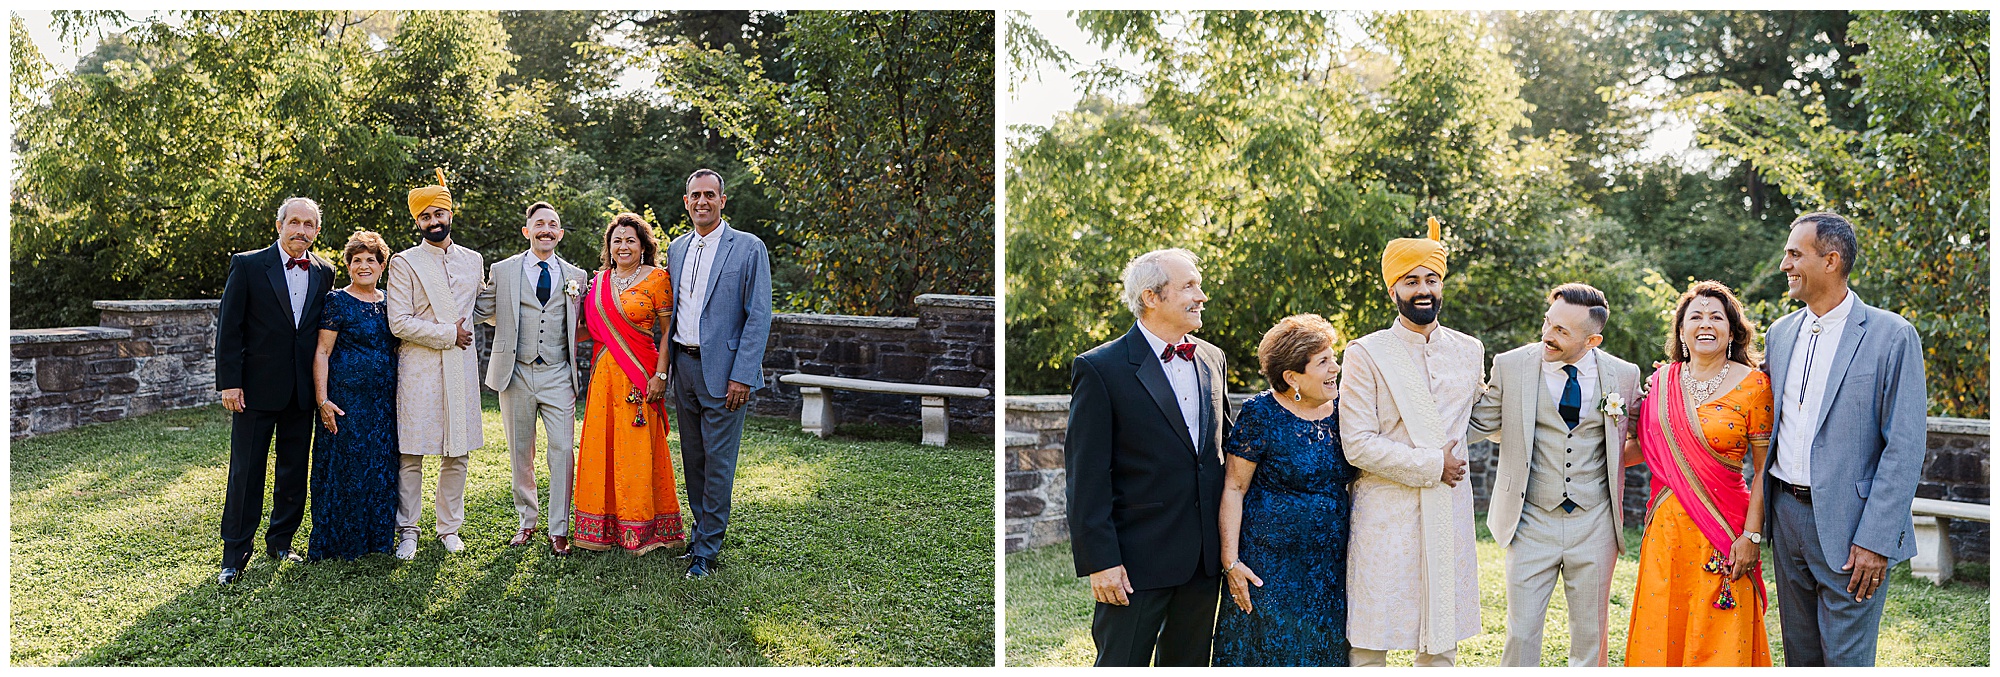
(1931, 519)
(816, 416)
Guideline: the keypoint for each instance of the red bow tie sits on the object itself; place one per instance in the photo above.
(1184, 351)
(298, 263)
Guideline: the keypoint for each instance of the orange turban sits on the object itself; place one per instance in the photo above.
(1405, 254)
(428, 196)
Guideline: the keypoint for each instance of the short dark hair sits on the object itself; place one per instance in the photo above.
(1833, 232)
(1580, 294)
(1290, 345)
(651, 249)
(719, 183)
(540, 206)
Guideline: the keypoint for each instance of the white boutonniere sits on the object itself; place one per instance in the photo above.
(572, 288)
(1613, 405)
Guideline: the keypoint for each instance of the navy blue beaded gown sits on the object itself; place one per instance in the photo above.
(354, 472)
(1294, 536)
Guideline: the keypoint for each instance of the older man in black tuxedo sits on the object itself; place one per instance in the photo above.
(1144, 461)
(264, 338)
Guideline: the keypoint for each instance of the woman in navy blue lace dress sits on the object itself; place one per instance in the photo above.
(1284, 509)
(354, 459)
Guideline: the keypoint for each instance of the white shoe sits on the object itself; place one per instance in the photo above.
(451, 543)
(406, 547)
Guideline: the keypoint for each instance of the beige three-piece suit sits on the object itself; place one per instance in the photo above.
(1544, 464)
(535, 370)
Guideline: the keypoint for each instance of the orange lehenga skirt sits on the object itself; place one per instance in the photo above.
(624, 495)
(1675, 621)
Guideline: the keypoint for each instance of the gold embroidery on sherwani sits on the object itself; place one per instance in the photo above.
(436, 287)
(1434, 503)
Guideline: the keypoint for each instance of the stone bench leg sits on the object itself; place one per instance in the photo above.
(1934, 561)
(816, 412)
(937, 426)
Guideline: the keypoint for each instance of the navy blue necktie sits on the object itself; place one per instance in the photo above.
(542, 288)
(1571, 405)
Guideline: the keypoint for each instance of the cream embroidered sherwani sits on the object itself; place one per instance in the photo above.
(437, 382)
(1408, 526)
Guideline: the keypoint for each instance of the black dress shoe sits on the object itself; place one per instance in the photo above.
(286, 555)
(229, 575)
(699, 567)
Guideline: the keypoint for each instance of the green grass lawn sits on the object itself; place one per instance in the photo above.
(1048, 614)
(865, 549)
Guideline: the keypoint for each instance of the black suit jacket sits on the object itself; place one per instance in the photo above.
(256, 346)
(1141, 494)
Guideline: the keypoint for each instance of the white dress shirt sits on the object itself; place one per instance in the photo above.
(1806, 372)
(533, 267)
(1181, 375)
(691, 285)
(1586, 380)
(298, 281)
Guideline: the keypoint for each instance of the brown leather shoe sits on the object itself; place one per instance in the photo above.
(560, 544)
(522, 537)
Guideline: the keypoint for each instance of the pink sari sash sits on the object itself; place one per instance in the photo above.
(1709, 485)
(629, 346)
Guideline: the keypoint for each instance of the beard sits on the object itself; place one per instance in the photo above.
(1420, 316)
(438, 233)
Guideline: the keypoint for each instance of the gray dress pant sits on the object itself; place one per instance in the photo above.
(1822, 624)
(710, 436)
(541, 392)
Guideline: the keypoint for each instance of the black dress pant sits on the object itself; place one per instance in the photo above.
(1162, 626)
(250, 434)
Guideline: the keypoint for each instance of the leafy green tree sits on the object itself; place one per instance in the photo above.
(1286, 158)
(138, 180)
(1915, 180)
(558, 49)
(1581, 79)
(877, 147)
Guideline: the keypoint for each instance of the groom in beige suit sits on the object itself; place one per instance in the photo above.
(1556, 406)
(532, 303)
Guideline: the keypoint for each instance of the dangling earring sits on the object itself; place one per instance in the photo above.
(1684, 351)
(1295, 394)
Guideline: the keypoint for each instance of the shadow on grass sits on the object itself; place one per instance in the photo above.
(124, 458)
(840, 552)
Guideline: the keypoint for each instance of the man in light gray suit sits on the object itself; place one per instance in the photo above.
(1847, 449)
(1557, 495)
(722, 316)
(531, 300)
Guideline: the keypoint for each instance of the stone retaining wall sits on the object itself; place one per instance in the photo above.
(1955, 468)
(147, 356)
(155, 355)
(948, 343)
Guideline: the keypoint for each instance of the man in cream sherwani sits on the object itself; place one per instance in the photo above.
(1412, 580)
(1557, 407)
(431, 291)
(532, 303)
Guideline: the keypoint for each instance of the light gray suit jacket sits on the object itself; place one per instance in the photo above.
(736, 316)
(1869, 452)
(1507, 411)
(506, 280)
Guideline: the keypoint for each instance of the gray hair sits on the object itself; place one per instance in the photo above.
(287, 204)
(1833, 233)
(1145, 273)
(705, 172)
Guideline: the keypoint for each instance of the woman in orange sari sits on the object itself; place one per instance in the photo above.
(1701, 597)
(624, 495)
